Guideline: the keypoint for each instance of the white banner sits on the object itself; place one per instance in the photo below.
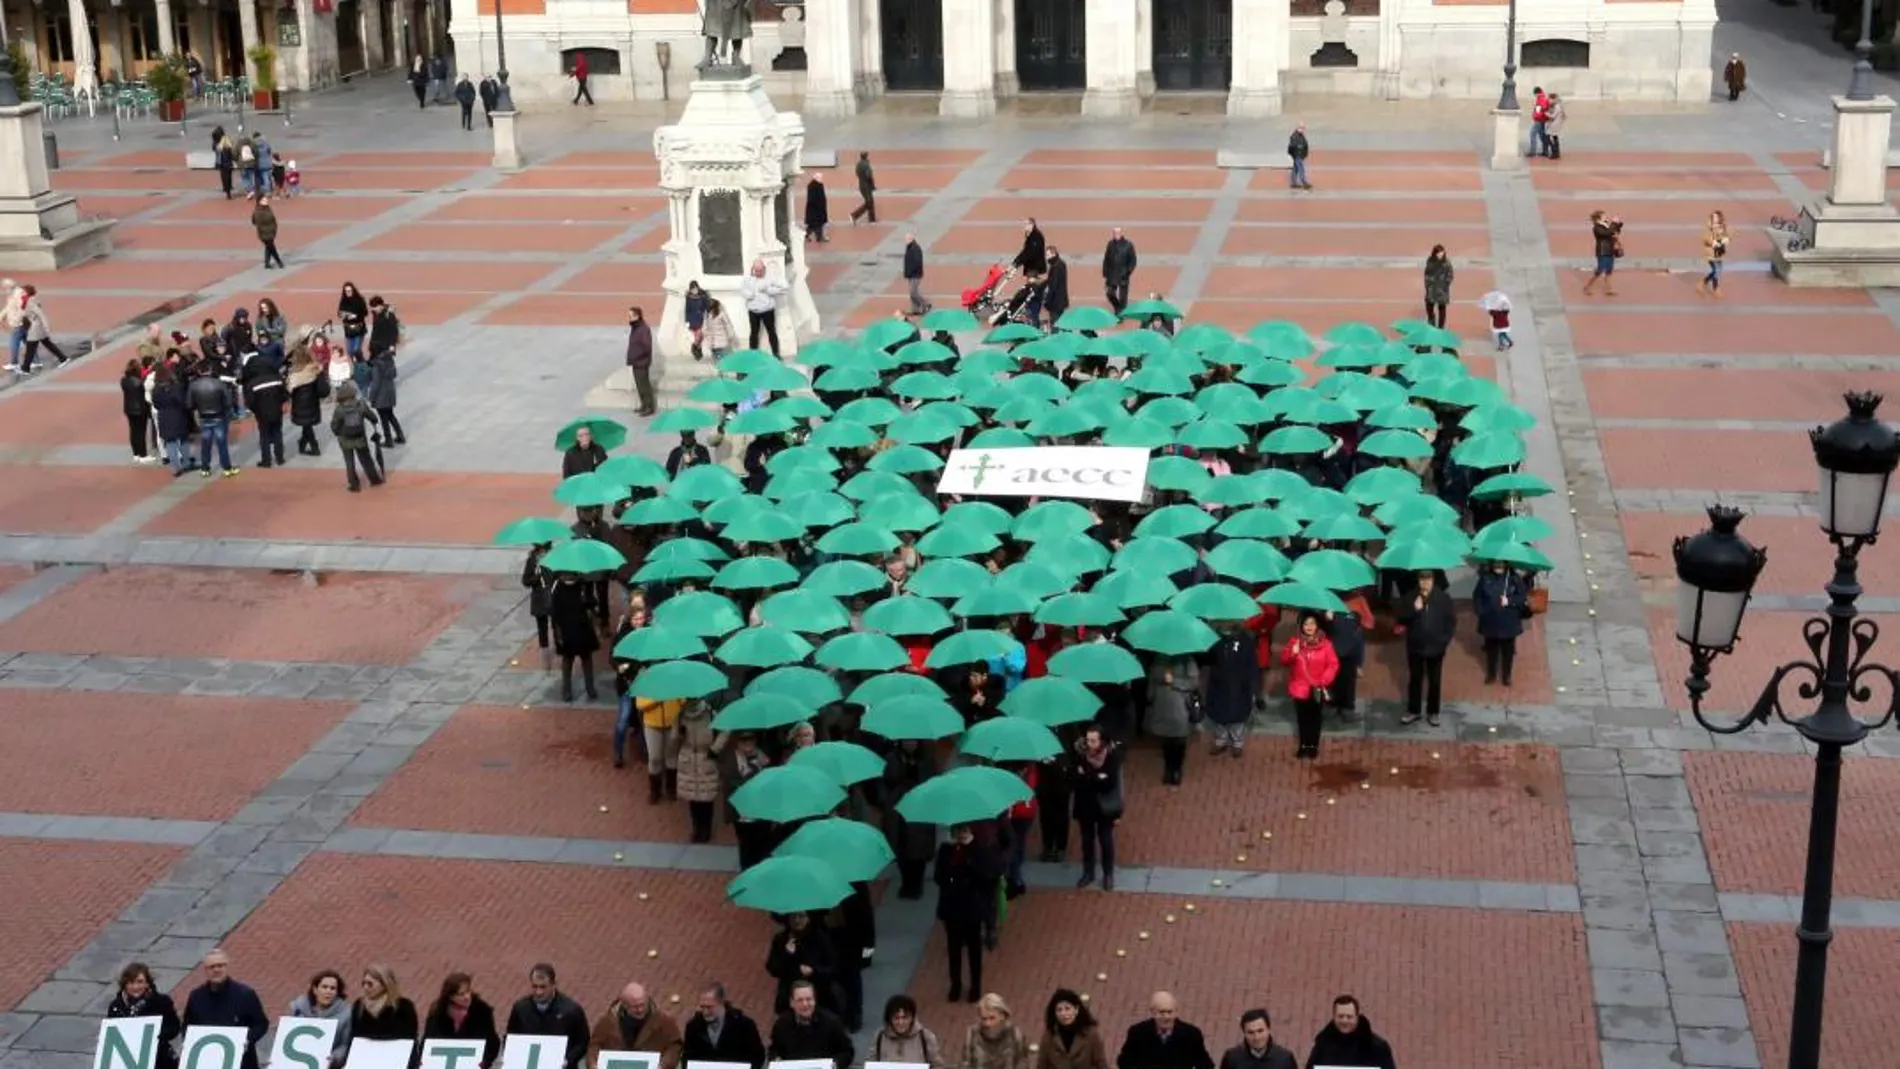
(1088, 472)
(207, 1047)
(451, 1053)
(303, 1043)
(379, 1054)
(127, 1043)
(534, 1052)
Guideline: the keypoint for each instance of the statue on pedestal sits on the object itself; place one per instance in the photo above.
(727, 25)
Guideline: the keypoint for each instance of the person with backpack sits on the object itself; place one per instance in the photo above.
(351, 423)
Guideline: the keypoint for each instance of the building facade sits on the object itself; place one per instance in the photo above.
(839, 54)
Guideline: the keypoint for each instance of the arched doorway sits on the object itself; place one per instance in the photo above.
(913, 44)
(1051, 44)
(1194, 44)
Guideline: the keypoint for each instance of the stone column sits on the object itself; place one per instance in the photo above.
(831, 45)
(1145, 47)
(1260, 34)
(1111, 41)
(167, 35)
(1007, 83)
(247, 24)
(1863, 131)
(870, 50)
(969, 59)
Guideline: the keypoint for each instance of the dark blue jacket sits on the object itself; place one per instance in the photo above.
(234, 1005)
(1499, 601)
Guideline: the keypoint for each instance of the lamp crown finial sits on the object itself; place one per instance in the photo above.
(1862, 404)
(1725, 519)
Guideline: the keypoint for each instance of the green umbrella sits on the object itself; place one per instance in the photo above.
(762, 712)
(1171, 411)
(925, 352)
(1302, 596)
(699, 612)
(1258, 523)
(532, 531)
(1211, 434)
(631, 470)
(964, 795)
(583, 556)
(1369, 395)
(1232, 491)
(705, 482)
(946, 578)
(901, 512)
(1215, 601)
(858, 851)
(1415, 509)
(1136, 589)
(732, 509)
(761, 421)
(1513, 529)
(908, 615)
(720, 392)
(1268, 333)
(1420, 557)
(869, 411)
(1445, 366)
(1377, 485)
(1079, 610)
(1442, 536)
(1139, 434)
(826, 352)
(808, 686)
(1022, 410)
(1333, 569)
(1143, 342)
(906, 460)
(890, 685)
(1396, 445)
(818, 508)
(608, 434)
(747, 361)
(1036, 387)
(1066, 422)
(1003, 438)
(1460, 393)
(1011, 332)
(651, 644)
(1271, 374)
(862, 651)
(1343, 527)
(782, 885)
(921, 428)
(1405, 328)
(1052, 701)
(674, 570)
(1296, 439)
(1010, 739)
(951, 320)
(848, 379)
(977, 645)
(1177, 473)
(866, 485)
(1406, 417)
(1351, 356)
(674, 680)
(983, 515)
(1162, 556)
(1515, 483)
(844, 578)
(799, 483)
(764, 525)
(925, 385)
(1171, 633)
(1051, 519)
(683, 548)
(763, 647)
(1096, 662)
(1432, 338)
(1155, 379)
(785, 794)
(775, 378)
(1516, 554)
(1054, 348)
(857, 540)
(996, 599)
(755, 573)
(678, 420)
(1083, 317)
(801, 406)
(1352, 333)
(887, 332)
(1315, 503)
(1175, 521)
(588, 489)
(844, 763)
(1203, 337)
(842, 434)
(805, 611)
(1072, 556)
(1151, 307)
(913, 717)
(1495, 449)
(1248, 561)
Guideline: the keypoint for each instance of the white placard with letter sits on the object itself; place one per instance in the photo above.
(1087, 472)
(213, 1048)
(628, 1059)
(452, 1053)
(803, 1063)
(896, 1065)
(303, 1043)
(379, 1054)
(534, 1052)
(719, 1065)
(127, 1043)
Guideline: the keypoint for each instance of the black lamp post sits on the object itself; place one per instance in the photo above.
(1507, 101)
(504, 100)
(1717, 569)
(1861, 85)
(9, 93)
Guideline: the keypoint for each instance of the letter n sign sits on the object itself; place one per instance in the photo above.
(214, 1048)
(127, 1043)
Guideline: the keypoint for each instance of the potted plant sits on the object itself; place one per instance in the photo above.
(168, 83)
(264, 89)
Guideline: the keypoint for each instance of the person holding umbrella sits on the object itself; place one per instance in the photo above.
(1501, 599)
(966, 875)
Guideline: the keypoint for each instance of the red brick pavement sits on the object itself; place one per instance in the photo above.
(1322, 819)
(1716, 185)
(1740, 289)
(1606, 329)
(1768, 639)
(624, 208)
(1657, 458)
(499, 237)
(1807, 394)
(1754, 810)
(55, 417)
(1461, 243)
(1862, 966)
(351, 209)
(309, 505)
(1447, 987)
(1436, 211)
(234, 236)
(61, 894)
(109, 274)
(1639, 212)
(372, 278)
(1032, 177)
(576, 309)
(1799, 559)
(1340, 284)
(243, 615)
(1105, 212)
(72, 500)
(66, 751)
(425, 918)
(511, 771)
(1328, 175)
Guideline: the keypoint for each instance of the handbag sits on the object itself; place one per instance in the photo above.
(1196, 708)
(1112, 804)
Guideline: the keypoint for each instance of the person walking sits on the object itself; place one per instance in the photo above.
(1233, 687)
(1033, 259)
(1735, 76)
(760, 295)
(1297, 150)
(1606, 232)
(433, 68)
(1055, 286)
(1348, 1040)
(904, 1038)
(139, 996)
(264, 221)
(1430, 620)
(657, 720)
(138, 411)
(1070, 1037)
(1096, 775)
(224, 157)
(1555, 115)
(465, 96)
(817, 209)
(1256, 1049)
(459, 1013)
(1163, 1040)
(640, 360)
(1174, 706)
(351, 421)
(39, 332)
(1714, 248)
(381, 1011)
(632, 1023)
(1502, 601)
(1438, 277)
(867, 190)
(570, 612)
(222, 1002)
(1118, 268)
(208, 401)
(914, 275)
(580, 80)
(547, 1011)
(721, 1032)
(1312, 665)
(966, 877)
(440, 74)
(306, 384)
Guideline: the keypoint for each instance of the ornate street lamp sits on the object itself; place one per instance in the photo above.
(1856, 457)
(1507, 101)
(504, 100)
(1861, 85)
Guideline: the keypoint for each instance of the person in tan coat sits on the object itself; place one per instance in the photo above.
(634, 1023)
(699, 781)
(1070, 1037)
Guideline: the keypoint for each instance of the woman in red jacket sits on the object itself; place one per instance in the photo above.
(1312, 665)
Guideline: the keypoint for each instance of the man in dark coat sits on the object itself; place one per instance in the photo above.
(1033, 260)
(1055, 295)
(1501, 599)
(221, 1002)
(1163, 1041)
(546, 1011)
(966, 896)
(721, 1032)
(465, 96)
(1735, 76)
(1233, 682)
(265, 394)
(208, 401)
(264, 221)
(1118, 267)
(1256, 1049)
(490, 91)
(817, 209)
(1430, 620)
(583, 456)
(1297, 150)
(867, 190)
(914, 275)
(686, 454)
(640, 360)
(807, 1031)
(1349, 1042)
(801, 952)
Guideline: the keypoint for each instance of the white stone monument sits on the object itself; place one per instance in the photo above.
(1507, 139)
(1851, 236)
(728, 168)
(40, 230)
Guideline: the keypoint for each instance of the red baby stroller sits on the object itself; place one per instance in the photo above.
(987, 298)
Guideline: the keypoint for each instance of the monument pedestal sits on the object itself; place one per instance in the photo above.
(507, 146)
(40, 230)
(1849, 238)
(1507, 140)
(727, 168)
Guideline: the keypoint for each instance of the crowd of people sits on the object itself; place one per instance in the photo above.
(802, 1027)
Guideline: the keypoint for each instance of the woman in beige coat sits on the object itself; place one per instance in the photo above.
(699, 780)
